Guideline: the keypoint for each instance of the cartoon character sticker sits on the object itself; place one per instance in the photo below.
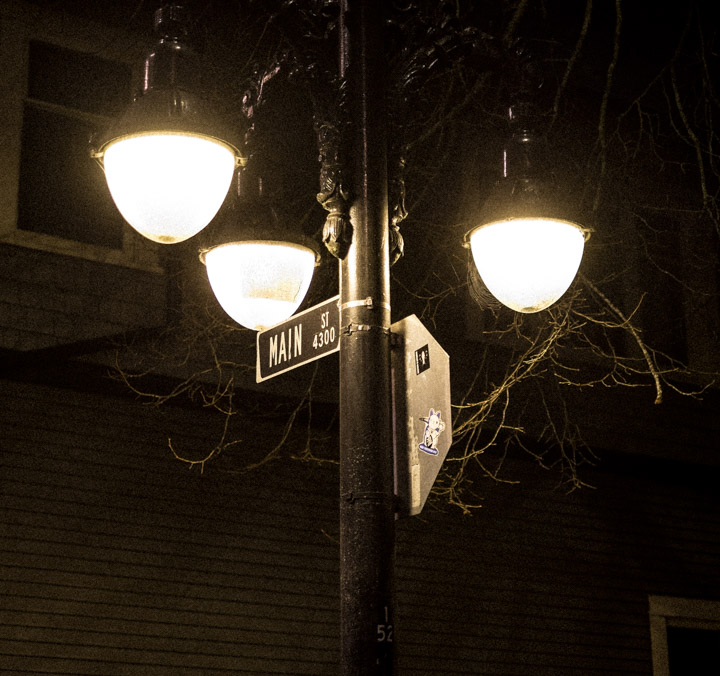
(433, 428)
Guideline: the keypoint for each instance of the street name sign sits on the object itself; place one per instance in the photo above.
(422, 426)
(305, 337)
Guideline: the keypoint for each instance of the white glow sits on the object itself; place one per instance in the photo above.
(260, 284)
(528, 263)
(168, 186)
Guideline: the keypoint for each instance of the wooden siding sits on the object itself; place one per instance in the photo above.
(48, 300)
(114, 559)
(543, 583)
(117, 560)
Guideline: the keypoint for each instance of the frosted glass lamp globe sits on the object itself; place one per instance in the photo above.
(168, 185)
(527, 263)
(259, 283)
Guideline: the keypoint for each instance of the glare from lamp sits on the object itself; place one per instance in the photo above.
(527, 263)
(168, 186)
(260, 283)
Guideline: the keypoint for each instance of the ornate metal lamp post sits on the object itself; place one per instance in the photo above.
(358, 230)
(367, 513)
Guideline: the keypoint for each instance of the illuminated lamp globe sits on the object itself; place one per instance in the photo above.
(259, 283)
(527, 263)
(168, 185)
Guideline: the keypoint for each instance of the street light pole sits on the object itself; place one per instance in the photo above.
(367, 514)
(157, 158)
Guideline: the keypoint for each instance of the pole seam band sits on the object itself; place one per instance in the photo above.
(352, 328)
(375, 496)
(365, 302)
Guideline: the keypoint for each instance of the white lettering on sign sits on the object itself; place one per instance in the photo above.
(285, 345)
(307, 336)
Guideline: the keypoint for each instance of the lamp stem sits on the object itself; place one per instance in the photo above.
(367, 514)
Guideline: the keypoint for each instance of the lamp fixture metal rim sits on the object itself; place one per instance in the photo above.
(168, 111)
(99, 153)
(586, 232)
(295, 245)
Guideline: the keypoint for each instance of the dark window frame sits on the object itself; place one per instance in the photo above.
(61, 192)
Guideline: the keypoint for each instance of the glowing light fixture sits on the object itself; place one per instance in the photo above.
(259, 283)
(167, 165)
(168, 186)
(526, 253)
(527, 263)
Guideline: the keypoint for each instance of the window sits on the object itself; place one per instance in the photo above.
(61, 192)
(685, 636)
(63, 79)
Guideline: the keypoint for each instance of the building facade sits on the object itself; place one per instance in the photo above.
(116, 558)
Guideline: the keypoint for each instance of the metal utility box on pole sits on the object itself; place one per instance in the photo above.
(422, 420)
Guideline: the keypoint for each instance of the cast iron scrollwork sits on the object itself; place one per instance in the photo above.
(334, 194)
(307, 25)
(396, 196)
(431, 37)
(253, 98)
(309, 28)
